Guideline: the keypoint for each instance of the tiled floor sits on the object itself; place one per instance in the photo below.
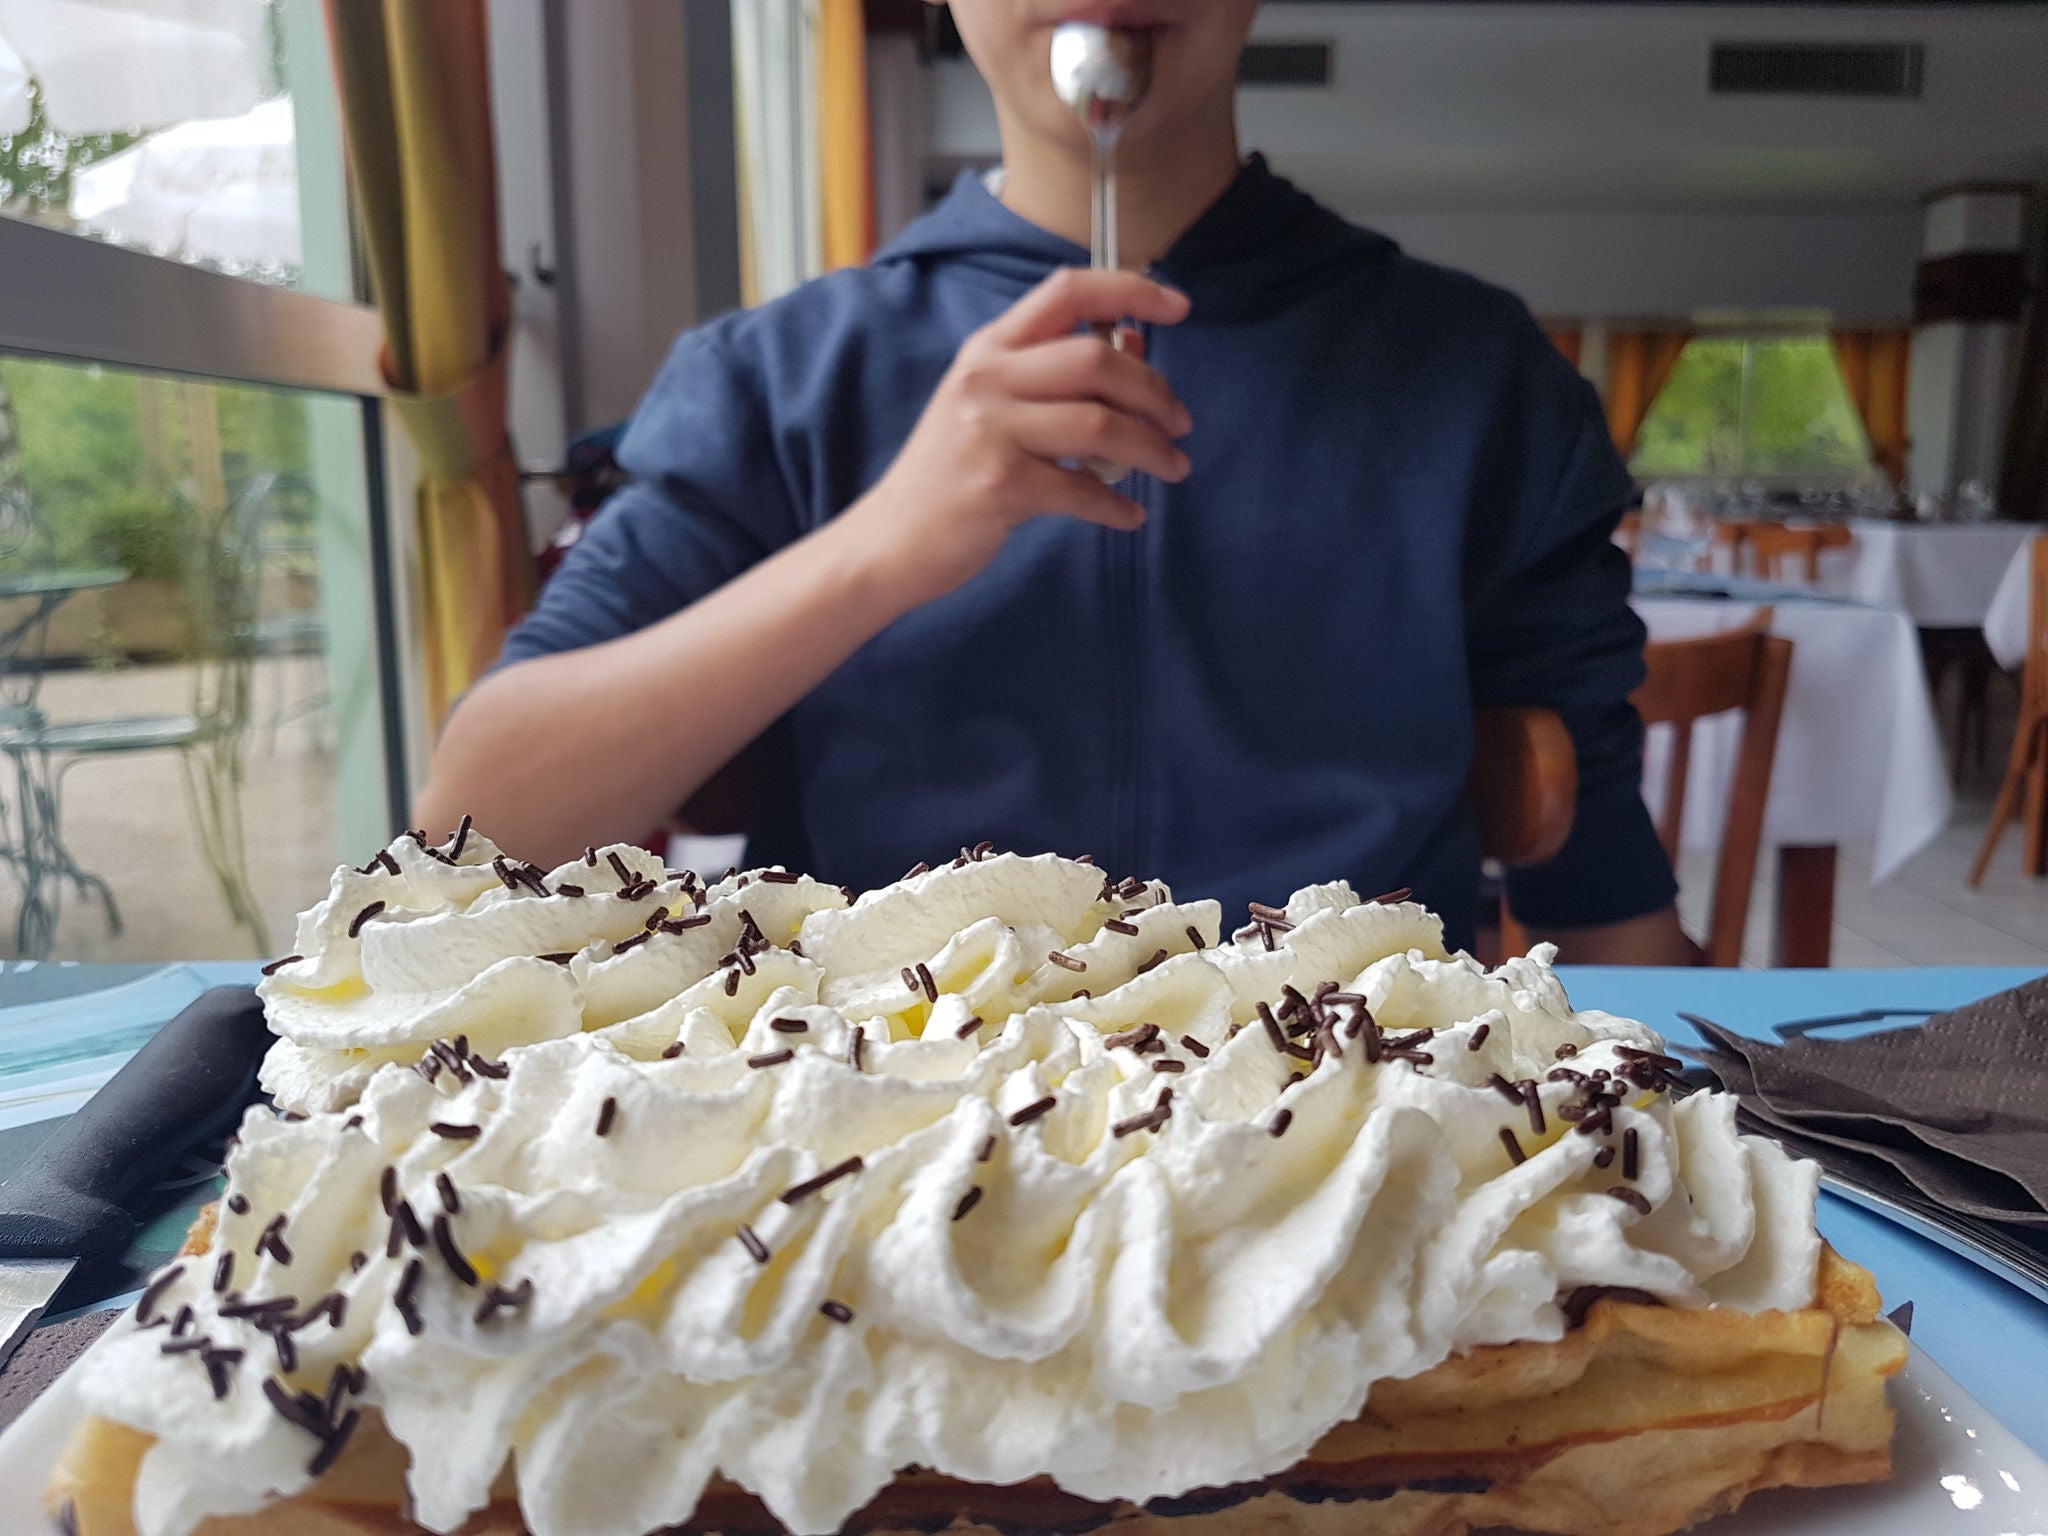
(1927, 914)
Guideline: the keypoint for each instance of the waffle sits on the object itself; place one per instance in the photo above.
(1642, 1420)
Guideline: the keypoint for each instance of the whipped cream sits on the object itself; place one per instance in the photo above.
(1007, 1170)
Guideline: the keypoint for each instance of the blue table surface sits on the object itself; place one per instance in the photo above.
(1992, 1337)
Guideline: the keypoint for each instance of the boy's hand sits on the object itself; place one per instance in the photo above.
(1026, 393)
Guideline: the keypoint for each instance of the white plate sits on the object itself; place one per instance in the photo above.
(1959, 1473)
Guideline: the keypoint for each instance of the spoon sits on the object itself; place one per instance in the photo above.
(1101, 75)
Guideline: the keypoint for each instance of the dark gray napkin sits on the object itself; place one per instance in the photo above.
(1956, 1107)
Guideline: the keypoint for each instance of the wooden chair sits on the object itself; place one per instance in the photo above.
(1525, 787)
(2026, 773)
(1688, 681)
(1774, 547)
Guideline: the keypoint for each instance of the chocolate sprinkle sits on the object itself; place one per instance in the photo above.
(566, 889)
(452, 1256)
(223, 1271)
(497, 1299)
(272, 1240)
(633, 942)
(838, 1311)
(1133, 1039)
(1631, 1197)
(909, 979)
(671, 1052)
(191, 1346)
(1478, 1037)
(1195, 936)
(968, 1201)
(607, 1112)
(1150, 1120)
(277, 965)
(1169, 1066)
(1392, 897)
(1604, 1157)
(1504, 1088)
(924, 977)
(732, 983)
(1194, 1047)
(1118, 925)
(789, 1026)
(1567, 1051)
(1158, 959)
(1629, 1149)
(220, 1365)
(779, 877)
(971, 1027)
(387, 1189)
(405, 1228)
(1282, 1119)
(330, 1451)
(816, 1182)
(451, 1202)
(751, 1241)
(1535, 1102)
(456, 1132)
(1033, 1110)
(988, 1149)
(1067, 962)
(919, 868)
(181, 1322)
(771, 1058)
(461, 837)
(854, 1042)
(1515, 1153)
(355, 928)
(293, 1409)
(239, 1204)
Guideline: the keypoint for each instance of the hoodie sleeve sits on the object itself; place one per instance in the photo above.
(1549, 624)
(707, 501)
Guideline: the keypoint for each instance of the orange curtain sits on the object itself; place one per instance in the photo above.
(1874, 366)
(845, 158)
(1568, 339)
(1639, 365)
(414, 82)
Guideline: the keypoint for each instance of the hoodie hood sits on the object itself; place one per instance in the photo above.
(1257, 249)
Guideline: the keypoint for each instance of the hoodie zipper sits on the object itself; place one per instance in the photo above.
(1129, 684)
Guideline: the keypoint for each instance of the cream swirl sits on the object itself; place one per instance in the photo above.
(1006, 1171)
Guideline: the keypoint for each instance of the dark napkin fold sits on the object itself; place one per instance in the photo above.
(1956, 1107)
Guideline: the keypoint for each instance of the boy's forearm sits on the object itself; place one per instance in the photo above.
(604, 743)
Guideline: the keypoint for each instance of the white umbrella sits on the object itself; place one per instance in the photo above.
(111, 66)
(220, 190)
(13, 91)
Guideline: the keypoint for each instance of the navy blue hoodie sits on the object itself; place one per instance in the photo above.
(1400, 507)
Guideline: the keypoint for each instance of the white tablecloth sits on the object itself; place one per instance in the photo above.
(1858, 752)
(1942, 574)
(2005, 626)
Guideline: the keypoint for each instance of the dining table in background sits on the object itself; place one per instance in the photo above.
(2005, 626)
(1943, 575)
(1859, 752)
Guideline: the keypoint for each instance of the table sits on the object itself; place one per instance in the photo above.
(41, 853)
(1859, 753)
(2005, 625)
(1942, 574)
(1989, 1335)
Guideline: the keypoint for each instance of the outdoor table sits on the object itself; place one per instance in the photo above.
(2005, 625)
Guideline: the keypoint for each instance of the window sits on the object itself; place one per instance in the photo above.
(173, 130)
(1756, 407)
(202, 697)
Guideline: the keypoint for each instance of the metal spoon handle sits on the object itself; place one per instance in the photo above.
(1103, 257)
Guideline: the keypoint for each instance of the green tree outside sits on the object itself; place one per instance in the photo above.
(1754, 406)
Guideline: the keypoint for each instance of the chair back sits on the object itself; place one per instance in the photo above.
(2034, 670)
(1687, 681)
(1784, 551)
(1525, 783)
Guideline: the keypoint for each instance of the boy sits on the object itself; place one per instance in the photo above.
(1367, 495)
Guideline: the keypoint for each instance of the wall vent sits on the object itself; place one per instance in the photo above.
(1817, 69)
(1296, 64)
